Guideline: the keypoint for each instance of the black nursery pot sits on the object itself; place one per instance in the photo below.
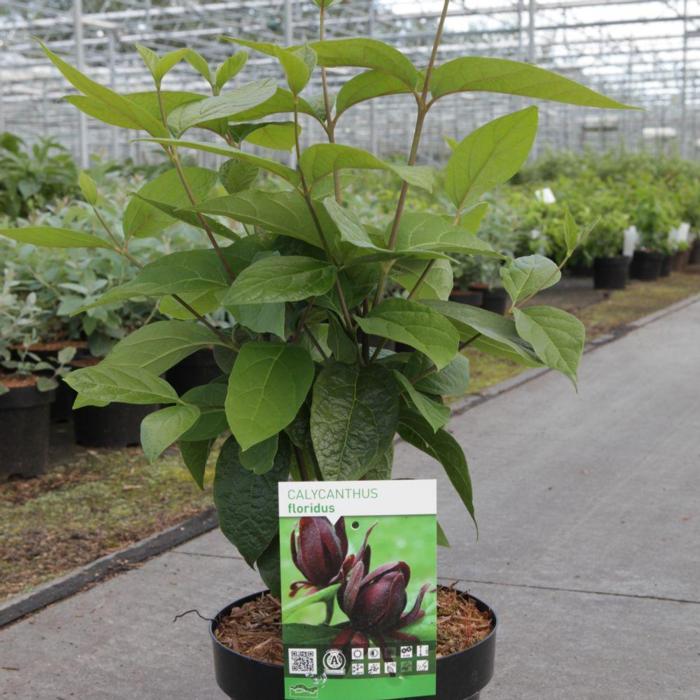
(666, 266)
(24, 431)
(115, 425)
(694, 257)
(198, 368)
(610, 273)
(460, 676)
(646, 265)
(467, 296)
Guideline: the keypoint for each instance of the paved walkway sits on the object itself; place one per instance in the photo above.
(589, 507)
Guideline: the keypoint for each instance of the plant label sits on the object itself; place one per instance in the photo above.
(359, 589)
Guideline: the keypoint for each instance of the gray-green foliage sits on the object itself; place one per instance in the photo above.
(314, 388)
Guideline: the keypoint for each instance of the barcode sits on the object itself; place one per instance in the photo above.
(303, 662)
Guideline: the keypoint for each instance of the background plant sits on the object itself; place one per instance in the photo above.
(309, 388)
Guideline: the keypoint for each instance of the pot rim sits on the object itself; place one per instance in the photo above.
(213, 624)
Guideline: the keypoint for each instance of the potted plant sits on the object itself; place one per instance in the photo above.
(27, 386)
(653, 220)
(604, 246)
(306, 280)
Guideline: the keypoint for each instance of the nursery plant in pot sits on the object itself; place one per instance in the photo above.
(306, 281)
(27, 386)
(654, 221)
(604, 246)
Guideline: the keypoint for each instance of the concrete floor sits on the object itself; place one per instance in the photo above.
(589, 508)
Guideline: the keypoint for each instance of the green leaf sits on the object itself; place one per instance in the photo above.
(277, 136)
(442, 537)
(260, 458)
(435, 413)
(87, 187)
(282, 102)
(366, 53)
(524, 277)
(104, 383)
(490, 156)
(230, 68)
(209, 399)
(441, 446)
(416, 325)
(277, 278)
(186, 272)
(431, 232)
(303, 601)
(189, 217)
(557, 337)
(267, 386)
(496, 335)
(437, 284)
(342, 347)
(284, 213)
(452, 380)
(159, 346)
(197, 61)
(268, 564)
(476, 73)
(297, 63)
(271, 166)
(237, 175)
(224, 106)
(260, 318)
(350, 228)
(322, 159)
(50, 237)
(135, 116)
(247, 502)
(354, 415)
(366, 86)
(150, 58)
(195, 456)
(165, 427)
(202, 302)
(142, 219)
(572, 233)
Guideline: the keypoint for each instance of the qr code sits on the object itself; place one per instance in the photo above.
(303, 662)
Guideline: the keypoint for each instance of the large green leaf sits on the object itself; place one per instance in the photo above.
(322, 159)
(366, 86)
(477, 73)
(272, 166)
(137, 117)
(452, 380)
(490, 156)
(195, 456)
(260, 458)
(350, 228)
(432, 232)
(283, 213)
(441, 446)
(557, 337)
(267, 386)
(147, 101)
(224, 106)
(489, 332)
(165, 427)
(282, 102)
(247, 502)
(142, 219)
(281, 278)
(277, 136)
(524, 277)
(159, 346)
(437, 414)
(437, 284)
(50, 237)
(366, 53)
(186, 272)
(354, 416)
(229, 69)
(104, 383)
(261, 318)
(416, 325)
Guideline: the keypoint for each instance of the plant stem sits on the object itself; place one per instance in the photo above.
(421, 279)
(175, 160)
(423, 108)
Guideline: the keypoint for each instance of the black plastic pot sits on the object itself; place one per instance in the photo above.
(495, 300)
(695, 253)
(24, 431)
(460, 676)
(197, 369)
(467, 296)
(115, 425)
(610, 273)
(646, 265)
(666, 264)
